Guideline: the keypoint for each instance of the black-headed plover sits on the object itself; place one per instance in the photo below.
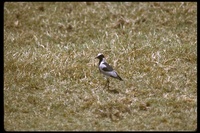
(106, 69)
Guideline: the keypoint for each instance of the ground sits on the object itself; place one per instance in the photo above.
(51, 76)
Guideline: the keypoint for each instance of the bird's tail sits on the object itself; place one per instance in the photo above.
(118, 77)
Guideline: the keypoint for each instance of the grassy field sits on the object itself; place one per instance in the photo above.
(51, 76)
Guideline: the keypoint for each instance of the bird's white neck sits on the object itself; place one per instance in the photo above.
(103, 60)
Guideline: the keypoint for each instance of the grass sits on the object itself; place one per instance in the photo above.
(52, 82)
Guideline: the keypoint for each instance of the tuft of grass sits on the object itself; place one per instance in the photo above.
(52, 82)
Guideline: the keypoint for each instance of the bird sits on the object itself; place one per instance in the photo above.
(106, 69)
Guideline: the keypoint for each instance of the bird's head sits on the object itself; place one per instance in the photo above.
(100, 56)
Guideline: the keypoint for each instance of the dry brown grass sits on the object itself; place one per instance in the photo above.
(51, 79)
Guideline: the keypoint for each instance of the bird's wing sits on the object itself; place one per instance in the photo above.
(106, 67)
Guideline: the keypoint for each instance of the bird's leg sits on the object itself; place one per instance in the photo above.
(105, 85)
(108, 82)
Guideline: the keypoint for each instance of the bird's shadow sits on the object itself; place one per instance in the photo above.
(113, 91)
(107, 87)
